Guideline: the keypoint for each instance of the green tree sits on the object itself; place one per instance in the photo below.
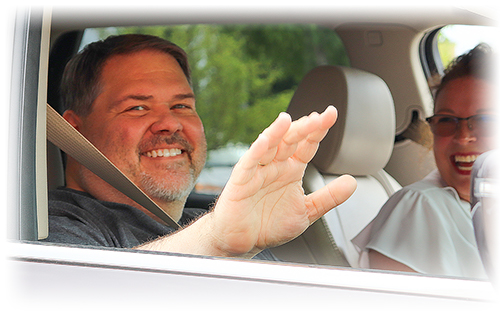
(446, 49)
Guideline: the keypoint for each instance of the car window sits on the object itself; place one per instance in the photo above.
(243, 77)
(454, 40)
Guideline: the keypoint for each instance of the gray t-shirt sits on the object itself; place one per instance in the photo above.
(76, 217)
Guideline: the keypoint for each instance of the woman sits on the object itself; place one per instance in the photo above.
(427, 226)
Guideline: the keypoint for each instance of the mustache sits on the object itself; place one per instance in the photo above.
(157, 140)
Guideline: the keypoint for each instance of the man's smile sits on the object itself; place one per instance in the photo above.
(166, 147)
(163, 152)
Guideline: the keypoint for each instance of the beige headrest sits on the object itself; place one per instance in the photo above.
(361, 141)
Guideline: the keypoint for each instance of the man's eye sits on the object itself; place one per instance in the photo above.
(181, 106)
(137, 108)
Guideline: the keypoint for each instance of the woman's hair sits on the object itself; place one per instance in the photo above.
(80, 84)
(477, 63)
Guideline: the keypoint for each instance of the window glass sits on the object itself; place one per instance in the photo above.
(454, 40)
(243, 76)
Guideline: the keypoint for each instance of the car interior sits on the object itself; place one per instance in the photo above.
(381, 97)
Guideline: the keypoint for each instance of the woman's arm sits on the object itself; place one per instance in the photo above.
(380, 262)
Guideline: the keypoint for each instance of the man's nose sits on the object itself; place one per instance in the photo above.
(166, 122)
(464, 134)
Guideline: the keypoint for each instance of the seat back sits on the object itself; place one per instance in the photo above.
(360, 143)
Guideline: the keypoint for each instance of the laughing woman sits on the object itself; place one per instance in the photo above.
(427, 226)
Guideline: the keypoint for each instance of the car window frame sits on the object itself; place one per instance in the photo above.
(28, 219)
(26, 201)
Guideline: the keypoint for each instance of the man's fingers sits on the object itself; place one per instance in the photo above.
(327, 119)
(264, 147)
(330, 196)
(274, 134)
(280, 140)
(278, 129)
(302, 140)
(301, 128)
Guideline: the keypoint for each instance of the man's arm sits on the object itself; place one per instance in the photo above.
(263, 204)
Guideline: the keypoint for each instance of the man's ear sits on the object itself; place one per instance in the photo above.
(73, 119)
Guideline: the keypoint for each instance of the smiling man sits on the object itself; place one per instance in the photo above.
(131, 97)
(153, 134)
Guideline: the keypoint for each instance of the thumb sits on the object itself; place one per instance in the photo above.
(330, 196)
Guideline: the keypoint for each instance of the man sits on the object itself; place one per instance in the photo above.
(131, 96)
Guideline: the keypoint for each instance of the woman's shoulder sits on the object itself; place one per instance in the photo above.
(432, 181)
(430, 187)
(427, 195)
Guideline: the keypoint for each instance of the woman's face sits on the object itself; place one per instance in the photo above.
(455, 154)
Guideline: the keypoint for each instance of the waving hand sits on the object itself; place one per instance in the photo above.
(263, 204)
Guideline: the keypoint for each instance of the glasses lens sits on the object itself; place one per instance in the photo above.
(482, 124)
(444, 125)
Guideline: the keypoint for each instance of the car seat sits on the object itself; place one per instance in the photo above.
(360, 144)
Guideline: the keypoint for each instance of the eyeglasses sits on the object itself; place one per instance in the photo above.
(447, 125)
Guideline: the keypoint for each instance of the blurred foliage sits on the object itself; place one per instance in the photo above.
(446, 49)
(245, 75)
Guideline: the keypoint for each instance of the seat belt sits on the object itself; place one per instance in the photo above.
(72, 142)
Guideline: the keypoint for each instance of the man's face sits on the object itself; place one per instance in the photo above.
(144, 120)
(454, 155)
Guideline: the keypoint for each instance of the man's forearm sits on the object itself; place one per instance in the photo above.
(197, 239)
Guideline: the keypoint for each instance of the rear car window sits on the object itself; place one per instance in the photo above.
(455, 40)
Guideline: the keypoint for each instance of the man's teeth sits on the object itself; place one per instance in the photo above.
(164, 152)
(466, 159)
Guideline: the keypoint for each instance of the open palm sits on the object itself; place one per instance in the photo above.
(263, 204)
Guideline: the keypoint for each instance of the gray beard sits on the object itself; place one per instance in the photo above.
(167, 192)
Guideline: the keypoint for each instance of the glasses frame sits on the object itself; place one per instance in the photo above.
(457, 121)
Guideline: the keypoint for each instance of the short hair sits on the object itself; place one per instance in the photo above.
(477, 63)
(80, 83)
